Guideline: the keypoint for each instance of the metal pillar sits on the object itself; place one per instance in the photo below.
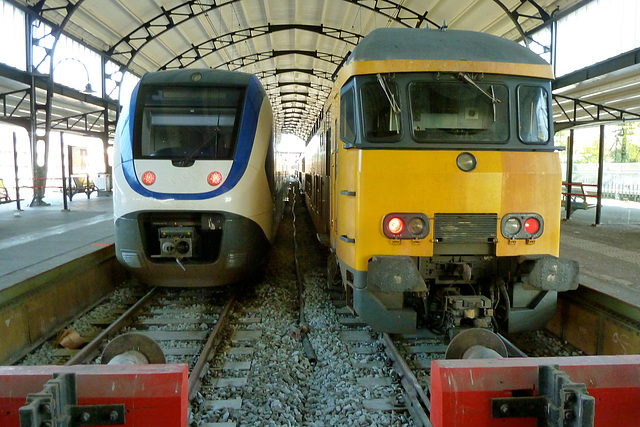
(567, 203)
(600, 173)
(15, 168)
(64, 178)
(39, 173)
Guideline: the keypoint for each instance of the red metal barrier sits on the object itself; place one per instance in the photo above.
(461, 390)
(153, 395)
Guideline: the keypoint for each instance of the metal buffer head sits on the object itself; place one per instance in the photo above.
(476, 343)
(132, 349)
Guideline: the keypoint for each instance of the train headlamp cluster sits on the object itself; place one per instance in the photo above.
(214, 179)
(522, 226)
(405, 226)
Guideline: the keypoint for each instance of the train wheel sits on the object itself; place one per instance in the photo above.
(334, 278)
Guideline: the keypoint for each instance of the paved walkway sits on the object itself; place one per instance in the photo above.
(609, 254)
(35, 240)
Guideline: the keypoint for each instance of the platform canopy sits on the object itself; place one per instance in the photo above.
(294, 46)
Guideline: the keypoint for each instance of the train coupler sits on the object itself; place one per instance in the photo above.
(470, 310)
(177, 242)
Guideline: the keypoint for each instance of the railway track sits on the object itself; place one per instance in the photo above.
(247, 361)
(184, 325)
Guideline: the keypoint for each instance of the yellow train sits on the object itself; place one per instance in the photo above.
(433, 176)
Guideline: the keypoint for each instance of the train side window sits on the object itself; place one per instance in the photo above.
(381, 122)
(533, 114)
(348, 115)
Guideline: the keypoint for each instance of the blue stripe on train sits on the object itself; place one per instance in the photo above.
(252, 105)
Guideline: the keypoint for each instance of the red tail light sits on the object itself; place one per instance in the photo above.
(215, 178)
(395, 225)
(148, 178)
(532, 225)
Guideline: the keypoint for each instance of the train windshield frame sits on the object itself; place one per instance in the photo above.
(188, 123)
(453, 110)
(458, 111)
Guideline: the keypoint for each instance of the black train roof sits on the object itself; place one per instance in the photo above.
(432, 44)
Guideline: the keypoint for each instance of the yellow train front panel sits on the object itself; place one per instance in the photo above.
(374, 183)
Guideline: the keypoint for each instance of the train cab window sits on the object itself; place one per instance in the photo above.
(348, 115)
(380, 112)
(191, 123)
(533, 114)
(459, 111)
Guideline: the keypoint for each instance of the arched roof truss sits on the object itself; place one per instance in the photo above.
(295, 44)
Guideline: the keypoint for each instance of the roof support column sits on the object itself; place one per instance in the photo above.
(39, 138)
(600, 174)
(40, 143)
(567, 203)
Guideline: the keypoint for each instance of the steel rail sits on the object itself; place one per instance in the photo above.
(303, 324)
(93, 346)
(195, 376)
(416, 399)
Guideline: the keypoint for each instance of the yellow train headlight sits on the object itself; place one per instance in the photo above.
(416, 226)
(466, 162)
(511, 227)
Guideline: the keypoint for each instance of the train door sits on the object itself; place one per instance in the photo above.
(345, 190)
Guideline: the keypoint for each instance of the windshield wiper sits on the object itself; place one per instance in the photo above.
(491, 96)
(389, 94)
(188, 159)
(469, 80)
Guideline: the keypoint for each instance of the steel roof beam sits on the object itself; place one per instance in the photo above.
(515, 15)
(616, 63)
(396, 12)
(247, 60)
(594, 113)
(216, 44)
(132, 43)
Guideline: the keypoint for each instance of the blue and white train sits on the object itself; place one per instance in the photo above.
(197, 195)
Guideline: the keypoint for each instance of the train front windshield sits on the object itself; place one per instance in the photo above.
(188, 123)
(461, 111)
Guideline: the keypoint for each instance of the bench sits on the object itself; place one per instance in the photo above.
(79, 183)
(4, 194)
(578, 196)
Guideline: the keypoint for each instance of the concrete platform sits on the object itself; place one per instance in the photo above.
(35, 240)
(609, 254)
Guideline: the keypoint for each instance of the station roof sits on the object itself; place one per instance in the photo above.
(294, 46)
